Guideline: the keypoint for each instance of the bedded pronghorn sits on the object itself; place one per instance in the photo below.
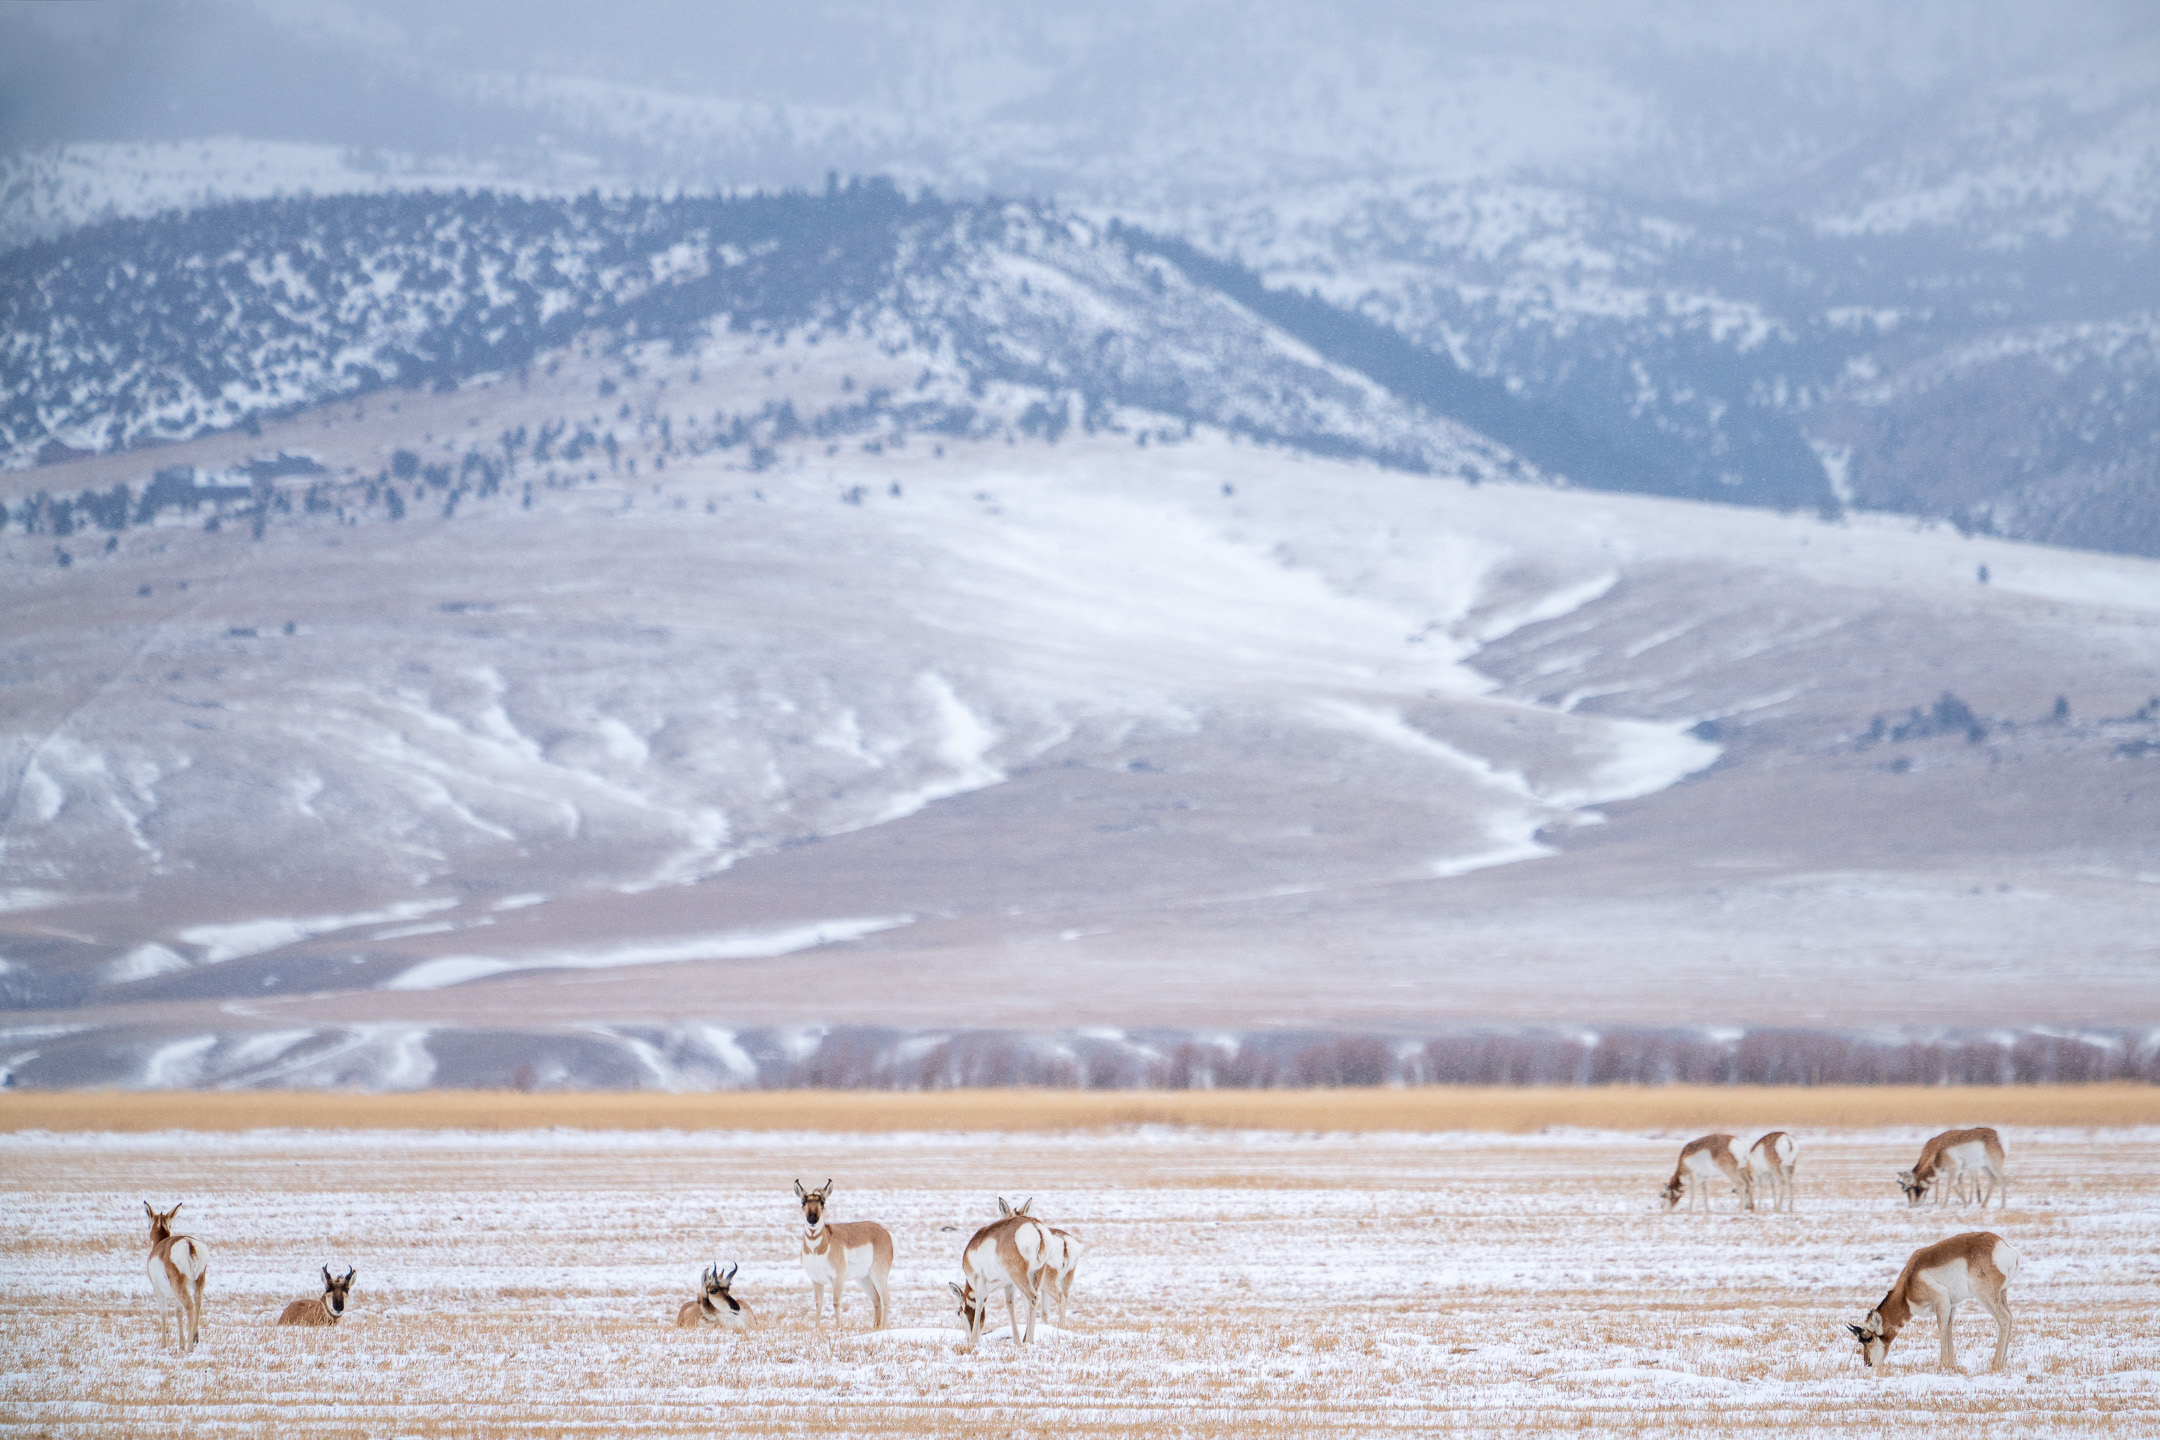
(178, 1266)
(716, 1304)
(835, 1253)
(1974, 1266)
(1770, 1163)
(1949, 1159)
(1701, 1159)
(1061, 1256)
(1006, 1255)
(325, 1309)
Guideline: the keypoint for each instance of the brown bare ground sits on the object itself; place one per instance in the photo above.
(1429, 1108)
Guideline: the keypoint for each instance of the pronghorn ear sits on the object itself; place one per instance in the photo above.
(326, 1276)
(957, 1290)
(826, 1192)
(1004, 1210)
(148, 1211)
(1024, 1204)
(800, 1193)
(349, 1273)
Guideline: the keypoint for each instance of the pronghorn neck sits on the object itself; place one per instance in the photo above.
(1895, 1310)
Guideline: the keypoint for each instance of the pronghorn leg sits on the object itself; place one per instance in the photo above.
(164, 1326)
(200, 1280)
(877, 1302)
(817, 1301)
(1012, 1316)
(1944, 1316)
(2000, 1309)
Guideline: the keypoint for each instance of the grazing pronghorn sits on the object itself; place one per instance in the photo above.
(178, 1267)
(715, 1304)
(1974, 1266)
(834, 1253)
(1977, 1153)
(1701, 1159)
(1061, 1256)
(325, 1309)
(1770, 1163)
(1006, 1255)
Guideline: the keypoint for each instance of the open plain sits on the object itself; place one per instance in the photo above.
(1237, 1281)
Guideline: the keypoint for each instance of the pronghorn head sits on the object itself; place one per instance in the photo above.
(974, 1306)
(813, 1204)
(717, 1297)
(335, 1289)
(1006, 1212)
(160, 1223)
(1914, 1184)
(1670, 1192)
(1874, 1345)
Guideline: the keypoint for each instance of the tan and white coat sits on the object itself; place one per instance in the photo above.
(1700, 1160)
(325, 1309)
(1008, 1255)
(1770, 1167)
(178, 1268)
(834, 1253)
(1977, 1265)
(1950, 1159)
(716, 1303)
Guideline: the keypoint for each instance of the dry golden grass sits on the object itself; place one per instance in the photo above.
(1428, 1108)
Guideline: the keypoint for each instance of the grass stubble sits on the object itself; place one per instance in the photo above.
(1239, 1283)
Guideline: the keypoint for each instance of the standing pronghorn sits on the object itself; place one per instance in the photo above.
(1974, 1266)
(178, 1267)
(1006, 1254)
(1699, 1160)
(1061, 1256)
(325, 1309)
(833, 1253)
(716, 1304)
(1977, 1152)
(1770, 1163)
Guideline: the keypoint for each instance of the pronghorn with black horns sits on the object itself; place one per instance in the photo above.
(835, 1253)
(1060, 1259)
(1009, 1255)
(325, 1309)
(716, 1303)
(1954, 1155)
(1699, 1160)
(1974, 1266)
(1770, 1165)
(178, 1267)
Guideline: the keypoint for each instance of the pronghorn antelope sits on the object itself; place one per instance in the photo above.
(1977, 1153)
(1061, 1256)
(178, 1267)
(1974, 1266)
(833, 1254)
(1770, 1163)
(325, 1309)
(1701, 1159)
(1006, 1255)
(715, 1304)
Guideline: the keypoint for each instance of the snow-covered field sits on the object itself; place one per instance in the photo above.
(1236, 1283)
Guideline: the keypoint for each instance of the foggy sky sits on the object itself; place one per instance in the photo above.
(1165, 99)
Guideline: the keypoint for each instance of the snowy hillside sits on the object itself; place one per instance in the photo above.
(624, 746)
